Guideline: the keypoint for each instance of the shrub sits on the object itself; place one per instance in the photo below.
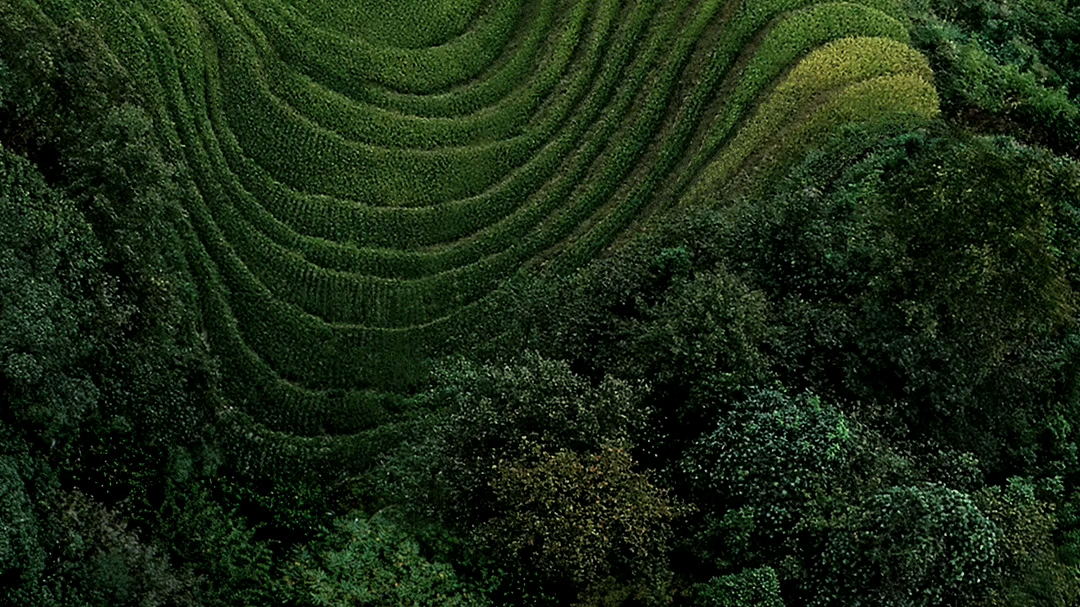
(773, 453)
(485, 413)
(582, 526)
(1030, 570)
(749, 588)
(370, 562)
(909, 546)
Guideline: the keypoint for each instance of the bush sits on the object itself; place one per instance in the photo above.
(22, 556)
(749, 588)
(370, 562)
(1030, 569)
(911, 547)
(584, 527)
(230, 564)
(485, 413)
(49, 264)
(774, 455)
(108, 564)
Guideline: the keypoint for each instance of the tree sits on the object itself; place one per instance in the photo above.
(49, 281)
(1030, 569)
(582, 527)
(371, 562)
(482, 414)
(771, 455)
(917, 546)
(749, 588)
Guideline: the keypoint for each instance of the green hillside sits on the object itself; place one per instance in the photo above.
(442, 266)
(349, 199)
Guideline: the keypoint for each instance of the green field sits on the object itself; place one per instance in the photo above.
(360, 178)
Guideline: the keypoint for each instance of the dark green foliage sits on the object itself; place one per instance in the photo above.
(1030, 569)
(473, 462)
(61, 547)
(714, 323)
(768, 459)
(58, 78)
(48, 257)
(372, 562)
(1037, 36)
(908, 546)
(982, 212)
(932, 269)
(581, 527)
(108, 564)
(653, 312)
(485, 413)
(749, 588)
(22, 556)
(230, 566)
(979, 287)
(158, 368)
(922, 284)
(695, 330)
(993, 75)
(117, 173)
(100, 369)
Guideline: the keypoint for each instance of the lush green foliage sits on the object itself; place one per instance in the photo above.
(750, 588)
(770, 456)
(734, 314)
(484, 414)
(583, 524)
(47, 249)
(372, 562)
(926, 545)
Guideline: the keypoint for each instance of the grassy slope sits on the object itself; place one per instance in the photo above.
(353, 199)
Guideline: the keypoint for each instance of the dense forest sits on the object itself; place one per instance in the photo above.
(715, 303)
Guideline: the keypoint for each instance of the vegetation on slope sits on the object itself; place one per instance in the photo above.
(538, 303)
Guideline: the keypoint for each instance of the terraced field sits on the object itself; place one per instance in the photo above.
(360, 178)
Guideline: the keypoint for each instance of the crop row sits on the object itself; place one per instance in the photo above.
(259, 452)
(346, 208)
(432, 216)
(783, 42)
(839, 64)
(383, 231)
(554, 153)
(251, 384)
(374, 176)
(283, 287)
(367, 226)
(456, 277)
(348, 64)
(888, 102)
(736, 82)
(252, 328)
(792, 37)
(254, 385)
(534, 74)
(279, 403)
(209, 185)
(670, 144)
(519, 61)
(398, 23)
(896, 98)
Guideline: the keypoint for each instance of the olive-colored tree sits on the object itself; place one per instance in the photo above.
(584, 527)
